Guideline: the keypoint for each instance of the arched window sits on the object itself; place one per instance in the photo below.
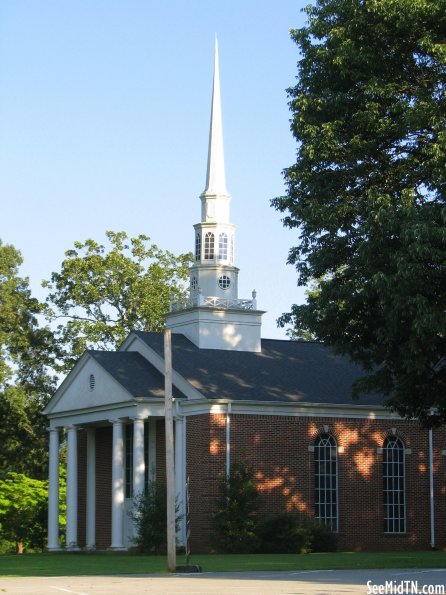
(209, 246)
(393, 488)
(326, 480)
(223, 246)
(198, 247)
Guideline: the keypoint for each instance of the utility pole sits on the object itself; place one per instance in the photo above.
(170, 460)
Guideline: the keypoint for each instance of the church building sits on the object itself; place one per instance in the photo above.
(284, 407)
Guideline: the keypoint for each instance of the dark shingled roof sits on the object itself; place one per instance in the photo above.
(133, 372)
(286, 371)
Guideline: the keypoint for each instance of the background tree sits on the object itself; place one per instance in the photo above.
(24, 510)
(367, 192)
(26, 381)
(103, 293)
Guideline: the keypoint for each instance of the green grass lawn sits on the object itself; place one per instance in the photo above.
(111, 563)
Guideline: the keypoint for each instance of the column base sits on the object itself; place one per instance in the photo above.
(117, 548)
(56, 549)
(72, 548)
(89, 548)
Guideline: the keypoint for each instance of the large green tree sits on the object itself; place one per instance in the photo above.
(366, 195)
(26, 382)
(104, 292)
(24, 510)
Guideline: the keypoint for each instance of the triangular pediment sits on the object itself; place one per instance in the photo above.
(87, 386)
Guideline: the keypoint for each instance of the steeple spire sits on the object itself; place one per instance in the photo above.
(214, 317)
(215, 178)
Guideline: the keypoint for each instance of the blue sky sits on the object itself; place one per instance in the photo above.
(104, 120)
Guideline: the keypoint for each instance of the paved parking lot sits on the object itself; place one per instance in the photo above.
(326, 582)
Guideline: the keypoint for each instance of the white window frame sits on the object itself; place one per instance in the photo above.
(223, 246)
(326, 495)
(209, 246)
(198, 246)
(394, 485)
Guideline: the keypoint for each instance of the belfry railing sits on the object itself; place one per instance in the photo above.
(214, 302)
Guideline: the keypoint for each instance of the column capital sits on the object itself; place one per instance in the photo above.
(117, 420)
(139, 418)
(177, 406)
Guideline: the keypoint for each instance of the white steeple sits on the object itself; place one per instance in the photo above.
(215, 178)
(215, 198)
(214, 317)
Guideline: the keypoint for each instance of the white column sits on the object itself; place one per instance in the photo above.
(53, 490)
(117, 486)
(180, 476)
(71, 534)
(91, 490)
(152, 449)
(139, 465)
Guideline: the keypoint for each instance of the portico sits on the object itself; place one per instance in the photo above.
(111, 444)
(139, 465)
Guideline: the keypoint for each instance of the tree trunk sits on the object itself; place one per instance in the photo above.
(19, 547)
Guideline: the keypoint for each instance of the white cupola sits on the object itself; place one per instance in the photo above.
(214, 317)
(214, 273)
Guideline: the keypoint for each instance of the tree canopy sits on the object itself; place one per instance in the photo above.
(27, 353)
(104, 292)
(367, 193)
(24, 509)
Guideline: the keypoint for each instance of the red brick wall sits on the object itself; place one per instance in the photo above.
(160, 451)
(206, 456)
(103, 486)
(277, 447)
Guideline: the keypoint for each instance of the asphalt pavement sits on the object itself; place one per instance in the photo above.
(320, 582)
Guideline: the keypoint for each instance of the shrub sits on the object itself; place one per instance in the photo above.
(149, 514)
(322, 539)
(7, 547)
(283, 533)
(236, 508)
(287, 533)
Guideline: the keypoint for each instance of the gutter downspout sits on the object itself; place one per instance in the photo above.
(228, 441)
(431, 489)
